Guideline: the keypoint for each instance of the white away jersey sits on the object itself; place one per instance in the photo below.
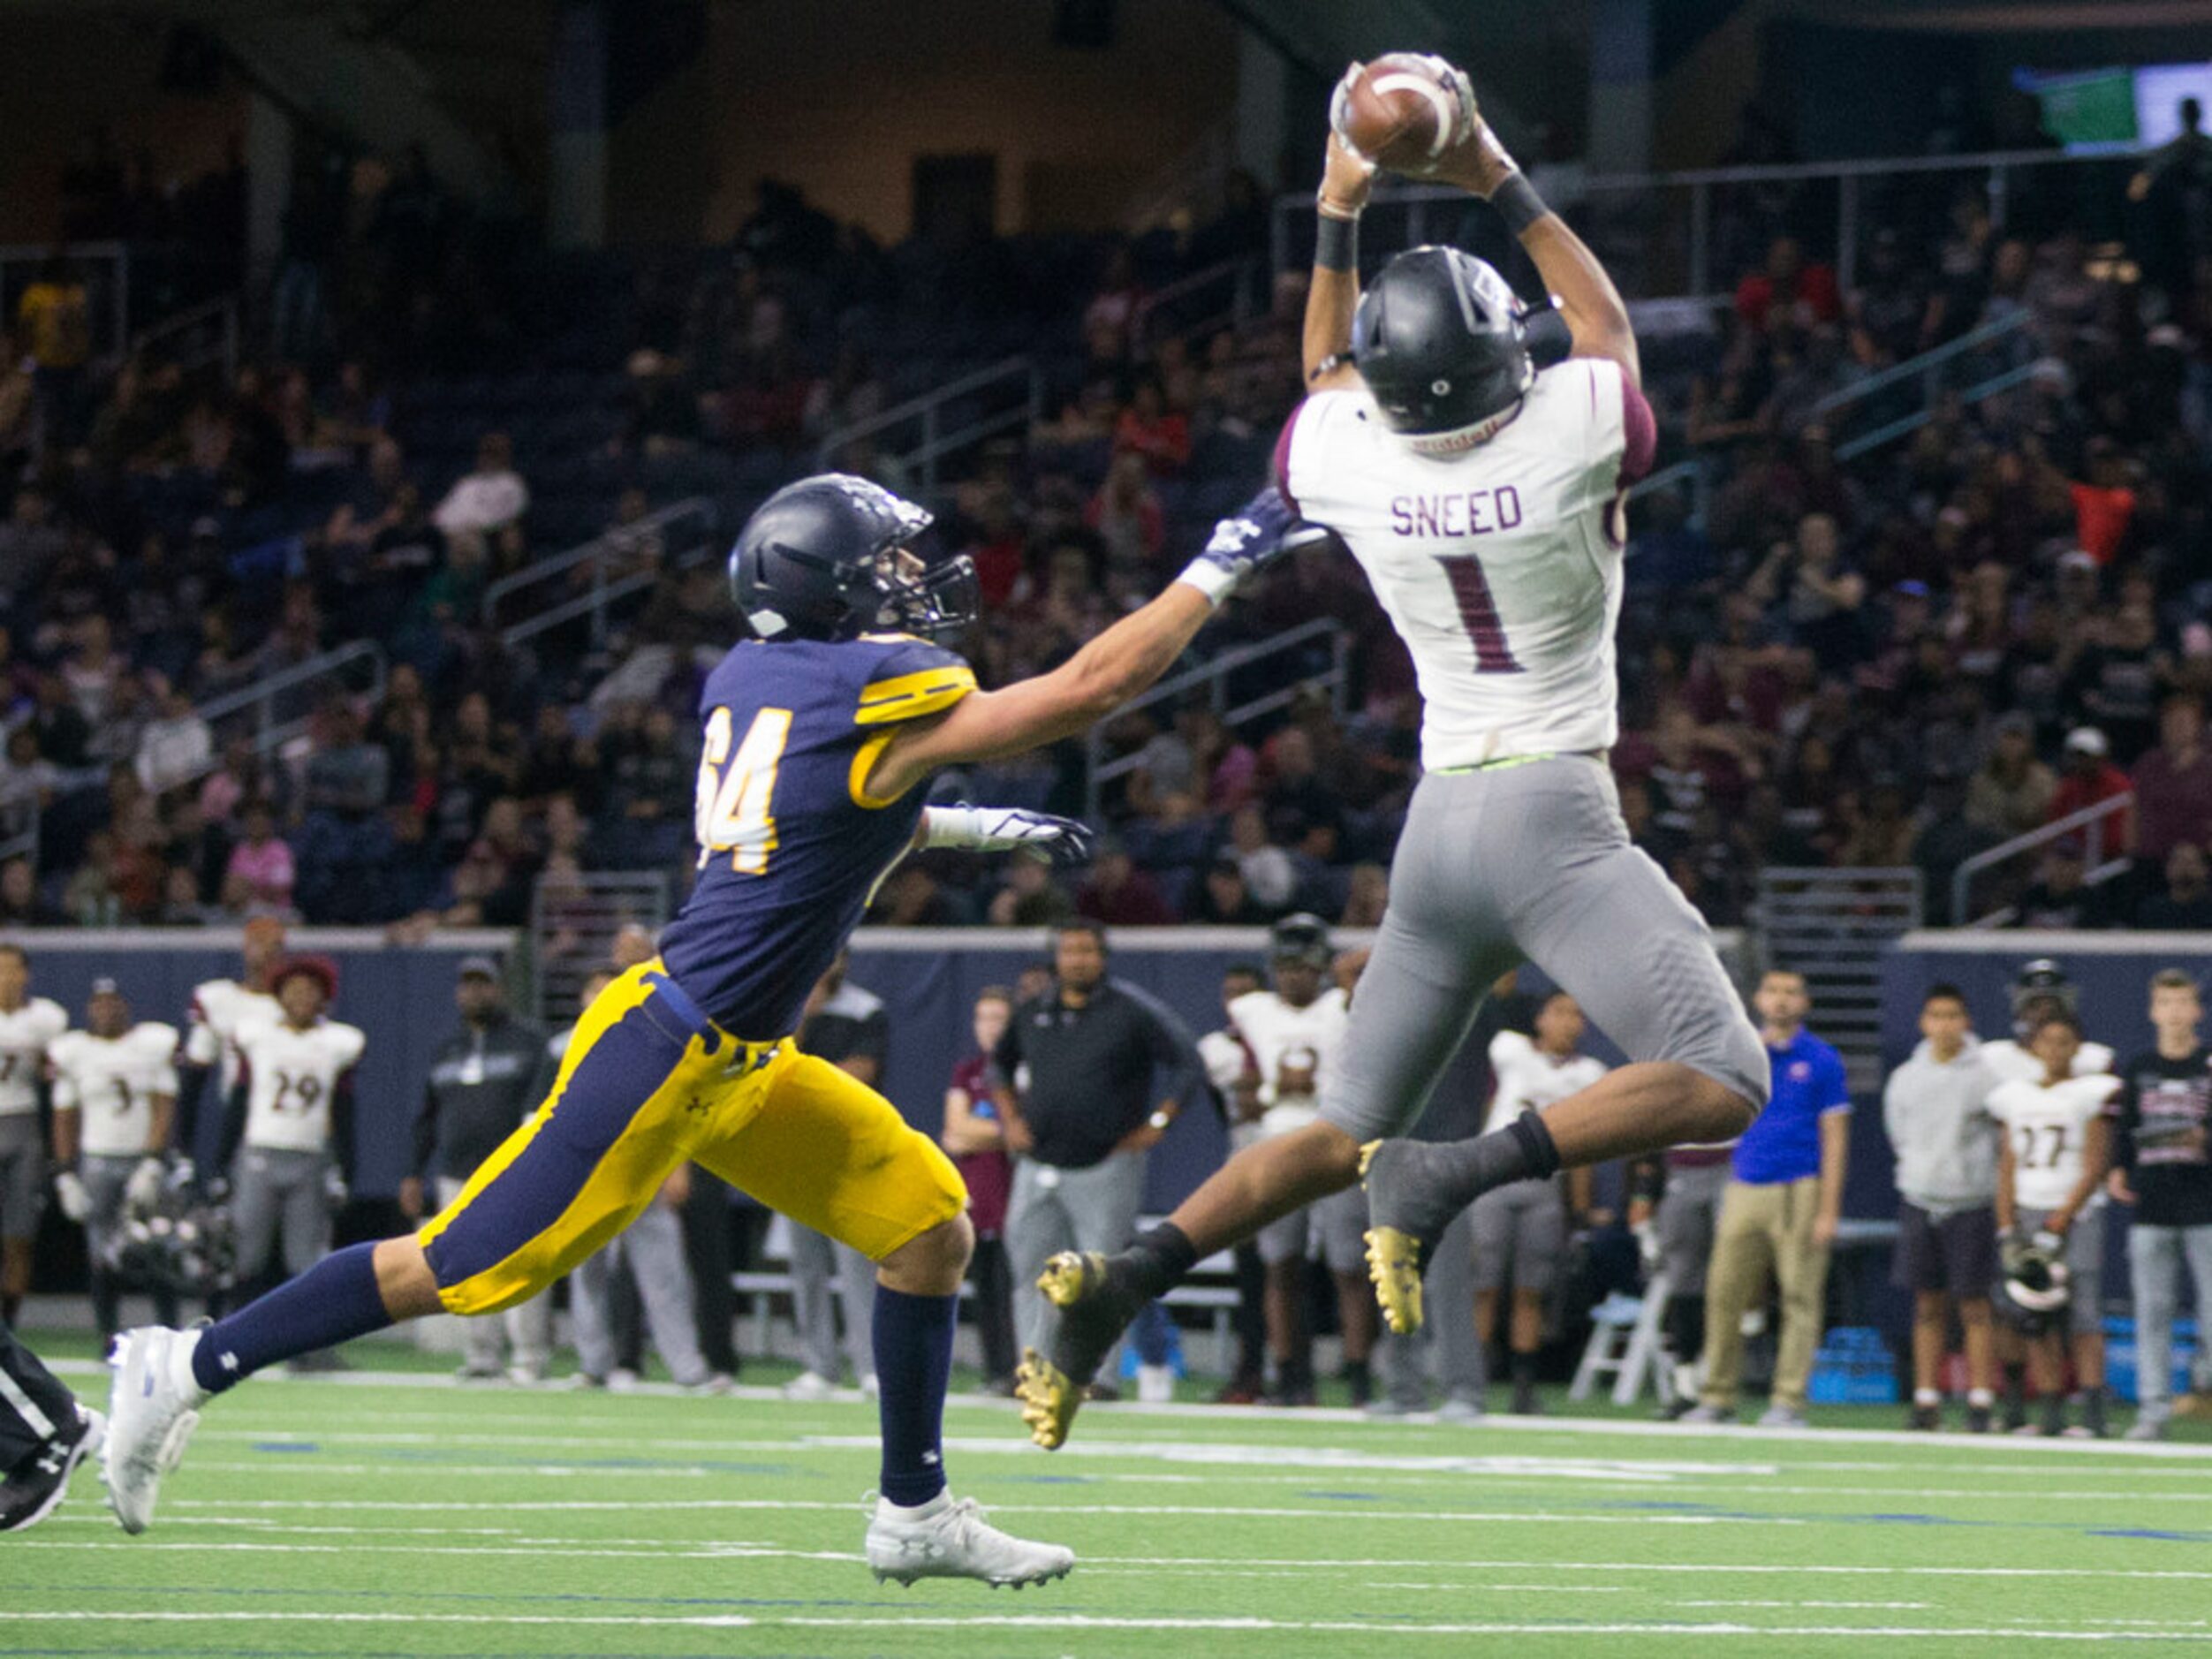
(112, 1081)
(26, 1034)
(1289, 1048)
(1529, 1079)
(2049, 1128)
(2010, 1062)
(219, 1007)
(289, 1077)
(1500, 566)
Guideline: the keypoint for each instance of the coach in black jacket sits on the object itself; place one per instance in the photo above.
(489, 1076)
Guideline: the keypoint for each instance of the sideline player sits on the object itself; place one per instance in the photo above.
(821, 735)
(219, 1007)
(2051, 1179)
(1484, 501)
(1520, 1230)
(115, 1087)
(28, 1026)
(288, 1137)
(2040, 990)
(1292, 1032)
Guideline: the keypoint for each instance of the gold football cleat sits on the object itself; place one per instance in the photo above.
(1070, 1276)
(1394, 1264)
(1049, 1399)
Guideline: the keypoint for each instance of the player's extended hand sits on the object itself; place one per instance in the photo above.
(1008, 829)
(69, 1192)
(335, 1191)
(1265, 529)
(1347, 177)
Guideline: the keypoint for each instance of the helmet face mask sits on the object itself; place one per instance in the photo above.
(833, 557)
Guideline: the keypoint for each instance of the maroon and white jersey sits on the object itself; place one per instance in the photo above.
(292, 1076)
(114, 1082)
(219, 1007)
(25, 1035)
(1500, 565)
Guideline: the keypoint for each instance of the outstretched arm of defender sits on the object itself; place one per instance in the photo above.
(1104, 675)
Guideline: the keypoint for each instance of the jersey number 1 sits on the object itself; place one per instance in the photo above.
(1477, 614)
(732, 814)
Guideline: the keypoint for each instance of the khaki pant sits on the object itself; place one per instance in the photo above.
(1764, 1228)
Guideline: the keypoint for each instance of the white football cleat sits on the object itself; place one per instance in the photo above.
(810, 1385)
(152, 1410)
(949, 1539)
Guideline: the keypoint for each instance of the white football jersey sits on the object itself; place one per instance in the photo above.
(289, 1077)
(219, 1007)
(112, 1082)
(2048, 1129)
(1529, 1079)
(2010, 1062)
(1226, 1060)
(26, 1034)
(1290, 1046)
(1500, 566)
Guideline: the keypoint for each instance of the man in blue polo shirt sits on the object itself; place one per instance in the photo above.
(1780, 1210)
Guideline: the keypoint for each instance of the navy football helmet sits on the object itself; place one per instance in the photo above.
(1440, 341)
(1301, 937)
(822, 559)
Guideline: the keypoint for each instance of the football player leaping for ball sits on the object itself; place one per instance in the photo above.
(820, 737)
(1484, 501)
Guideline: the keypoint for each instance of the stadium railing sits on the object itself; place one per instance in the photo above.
(1212, 679)
(938, 428)
(1190, 307)
(2101, 829)
(1835, 927)
(597, 575)
(1677, 233)
(199, 337)
(275, 708)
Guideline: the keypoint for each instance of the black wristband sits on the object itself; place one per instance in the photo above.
(1517, 201)
(1336, 243)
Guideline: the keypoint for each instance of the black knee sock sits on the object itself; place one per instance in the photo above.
(2016, 1383)
(1521, 1151)
(10, 1307)
(1524, 1370)
(1686, 1328)
(107, 1303)
(1159, 1258)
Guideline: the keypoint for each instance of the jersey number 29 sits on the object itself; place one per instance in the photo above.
(732, 814)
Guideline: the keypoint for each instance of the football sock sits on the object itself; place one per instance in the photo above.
(333, 1301)
(1524, 1370)
(1927, 1397)
(1521, 1151)
(913, 1364)
(2092, 1410)
(1981, 1399)
(1686, 1328)
(1159, 1258)
(10, 1305)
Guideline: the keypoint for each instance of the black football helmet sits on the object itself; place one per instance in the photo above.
(820, 560)
(1439, 340)
(2032, 1287)
(1302, 938)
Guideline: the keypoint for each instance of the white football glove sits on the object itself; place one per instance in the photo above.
(68, 1191)
(335, 1191)
(1004, 829)
(144, 1189)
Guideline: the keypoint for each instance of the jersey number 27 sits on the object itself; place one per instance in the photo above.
(731, 811)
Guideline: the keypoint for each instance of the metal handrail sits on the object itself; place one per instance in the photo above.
(1702, 181)
(2100, 869)
(927, 407)
(1237, 271)
(1925, 363)
(1904, 425)
(262, 694)
(225, 308)
(608, 547)
(1213, 675)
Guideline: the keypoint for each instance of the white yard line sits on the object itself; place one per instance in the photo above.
(1056, 1622)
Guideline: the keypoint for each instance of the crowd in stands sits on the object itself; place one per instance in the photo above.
(1900, 656)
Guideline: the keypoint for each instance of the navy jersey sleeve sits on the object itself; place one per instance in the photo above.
(911, 679)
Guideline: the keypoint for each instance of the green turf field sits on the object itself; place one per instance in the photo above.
(390, 1513)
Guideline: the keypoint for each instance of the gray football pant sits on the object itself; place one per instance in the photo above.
(276, 1191)
(1529, 863)
(1447, 1332)
(2154, 1271)
(104, 1177)
(22, 1175)
(1688, 1219)
(652, 1246)
(1054, 1210)
(528, 1325)
(817, 1259)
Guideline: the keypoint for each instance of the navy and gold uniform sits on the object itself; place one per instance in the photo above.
(686, 1058)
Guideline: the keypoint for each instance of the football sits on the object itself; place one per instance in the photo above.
(1403, 110)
